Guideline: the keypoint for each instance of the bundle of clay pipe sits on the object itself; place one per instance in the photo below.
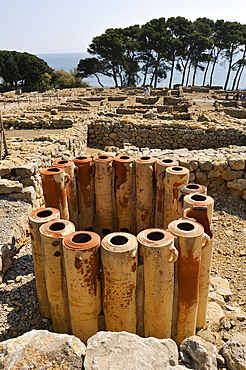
(141, 293)
(144, 289)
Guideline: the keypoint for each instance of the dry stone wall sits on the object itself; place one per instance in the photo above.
(221, 170)
(19, 171)
(212, 131)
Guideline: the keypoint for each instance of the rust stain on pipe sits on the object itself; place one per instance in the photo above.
(54, 190)
(159, 255)
(37, 218)
(186, 189)
(145, 192)
(175, 176)
(85, 185)
(161, 165)
(52, 234)
(125, 193)
(190, 236)
(200, 200)
(82, 263)
(119, 279)
(71, 188)
(200, 215)
(104, 194)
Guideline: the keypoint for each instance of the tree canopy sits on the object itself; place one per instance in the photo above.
(150, 53)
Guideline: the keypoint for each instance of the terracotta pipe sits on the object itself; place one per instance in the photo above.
(190, 237)
(104, 194)
(82, 264)
(186, 189)
(85, 186)
(145, 193)
(71, 189)
(37, 218)
(200, 200)
(175, 176)
(52, 234)
(54, 189)
(161, 165)
(119, 278)
(200, 215)
(159, 255)
(125, 193)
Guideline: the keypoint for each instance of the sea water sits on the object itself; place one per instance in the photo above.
(69, 61)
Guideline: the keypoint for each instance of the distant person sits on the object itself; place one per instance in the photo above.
(145, 91)
(148, 91)
(227, 96)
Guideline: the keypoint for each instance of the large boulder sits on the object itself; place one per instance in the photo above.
(234, 352)
(107, 350)
(40, 349)
(199, 354)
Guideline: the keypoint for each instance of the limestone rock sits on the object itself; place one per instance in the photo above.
(8, 186)
(214, 315)
(238, 184)
(234, 352)
(205, 165)
(236, 163)
(40, 349)
(221, 286)
(214, 297)
(229, 174)
(25, 171)
(199, 354)
(107, 350)
(27, 194)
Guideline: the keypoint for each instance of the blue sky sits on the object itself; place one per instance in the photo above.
(68, 26)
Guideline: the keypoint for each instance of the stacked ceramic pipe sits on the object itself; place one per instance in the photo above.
(153, 284)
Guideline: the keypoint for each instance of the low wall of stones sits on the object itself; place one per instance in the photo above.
(222, 170)
(20, 170)
(164, 134)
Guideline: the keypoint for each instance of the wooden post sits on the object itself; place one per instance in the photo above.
(3, 139)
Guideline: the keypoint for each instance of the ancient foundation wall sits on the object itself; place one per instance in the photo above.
(164, 134)
(20, 171)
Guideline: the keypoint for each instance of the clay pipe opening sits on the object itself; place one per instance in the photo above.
(185, 226)
(156, 235)
(81, 238)
(145, 158)
(81, 158)
(198, 197)
(119, 240)
(167, 160)
(192, 186)
(177, 168)
(44, 214)
(53, 169)
(124, 157)
(57, 226)
(62, 161)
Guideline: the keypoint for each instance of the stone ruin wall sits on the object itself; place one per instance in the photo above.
(210, 144)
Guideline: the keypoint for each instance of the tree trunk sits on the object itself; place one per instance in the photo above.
(188, 75)
(213, 67)
(205, 73)
(229, 70)
(172, 69)
(184, 72)
(115, 76)
(98, 80)
(146, 73)
(238, 71)
(194, 74)
(240, 75)
(156, 70)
